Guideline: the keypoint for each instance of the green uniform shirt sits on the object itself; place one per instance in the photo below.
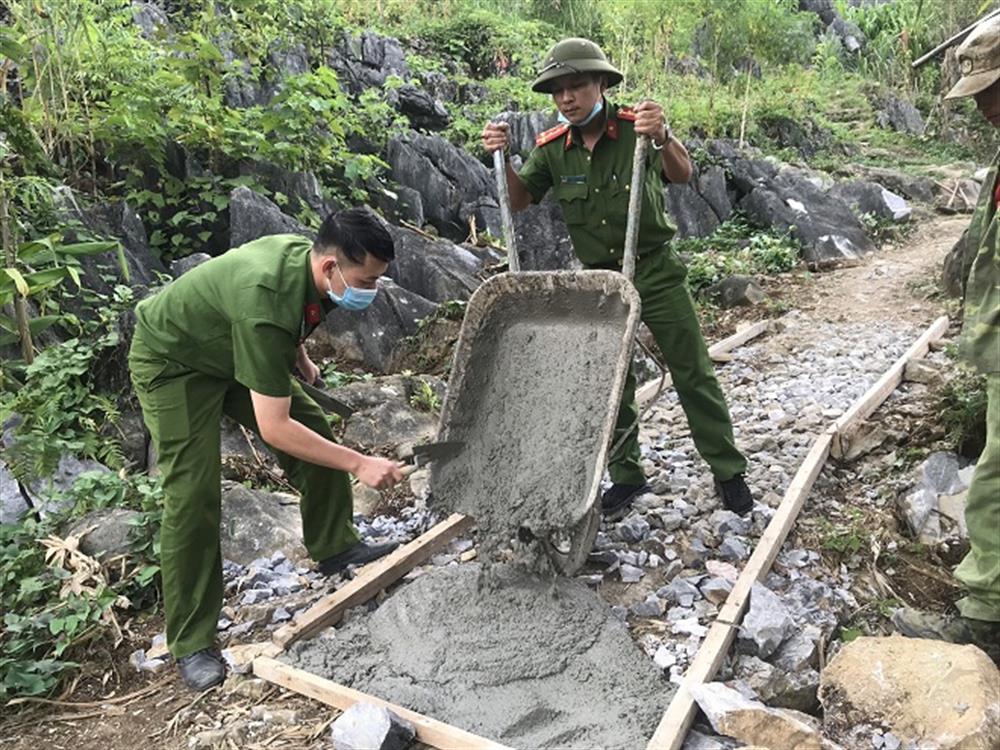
(593, 188)
(981, 330)
(240, 316)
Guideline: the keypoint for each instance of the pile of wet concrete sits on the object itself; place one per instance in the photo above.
(527, 661)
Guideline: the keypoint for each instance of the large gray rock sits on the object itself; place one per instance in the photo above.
(900, 115)
(525, 127)
(369, 337)
(436, 270)
(712, 188)
(871, 198)
(452, 184)
(543, 242)
(692, 214)
(824, 225)
(245, 87)
(106, 533)
(909, 186)
(420, 108)
(112, 220)
(365, 726)
(365, 61)
(252, 216)
(13, 504)
(746, 172)
(753, 723)
(775, 687)
(257, 524)
(181, 266)
(49, 495)
(940, 473)
(736, 291)
(767, 625)
(302, 189)
(149, 17)
(386, 415)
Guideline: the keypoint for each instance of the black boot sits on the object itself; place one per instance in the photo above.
(359, 554)
(617, 500)
(735, 494)
(202, 669)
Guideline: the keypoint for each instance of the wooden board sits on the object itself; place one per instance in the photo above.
(676, 721)
(885, 385)
(680, 713)
(429, 731)
(372, 578)
(715, 351)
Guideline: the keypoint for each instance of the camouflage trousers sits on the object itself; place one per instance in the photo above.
(979, 572)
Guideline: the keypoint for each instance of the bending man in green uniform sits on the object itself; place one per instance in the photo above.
(977, 619)
(587, 161)
(223, 339)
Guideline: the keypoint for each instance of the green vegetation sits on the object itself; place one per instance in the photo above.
(963, 410)
(172, 122)
(736, 248)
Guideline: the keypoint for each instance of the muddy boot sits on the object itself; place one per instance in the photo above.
(735, 494)
(202, 669)
(617, 500)
(359, 554)
(951, 628)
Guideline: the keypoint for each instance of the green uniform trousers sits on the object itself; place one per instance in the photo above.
(668, 311)
(182, 409)
(979, 572)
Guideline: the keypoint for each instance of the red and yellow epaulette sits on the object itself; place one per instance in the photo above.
(626, 113)
(551, 134)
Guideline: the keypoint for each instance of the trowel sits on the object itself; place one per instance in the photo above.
(424, 454)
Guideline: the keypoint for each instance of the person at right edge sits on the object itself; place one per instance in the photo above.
(587, 160)
(977, 616)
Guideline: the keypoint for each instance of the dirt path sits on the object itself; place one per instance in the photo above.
(897, 285)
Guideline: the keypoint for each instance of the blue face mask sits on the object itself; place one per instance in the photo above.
(598, 108)
(353, 298)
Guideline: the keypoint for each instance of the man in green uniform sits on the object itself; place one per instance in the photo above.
(224, 339)
(978, 614)
(587, 161)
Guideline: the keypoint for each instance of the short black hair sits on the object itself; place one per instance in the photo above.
(355, 232)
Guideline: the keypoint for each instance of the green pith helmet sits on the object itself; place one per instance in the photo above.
(574, 55)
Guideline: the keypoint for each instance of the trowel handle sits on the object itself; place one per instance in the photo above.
(506, 216)
(634, 206)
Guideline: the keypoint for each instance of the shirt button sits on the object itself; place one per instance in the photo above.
(597, 190)
(604, 221)
(628, 187)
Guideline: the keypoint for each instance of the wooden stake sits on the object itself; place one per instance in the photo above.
(372, 578)
(429, 731)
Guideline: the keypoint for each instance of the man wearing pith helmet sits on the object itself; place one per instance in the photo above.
(587, 161)
(977, 616)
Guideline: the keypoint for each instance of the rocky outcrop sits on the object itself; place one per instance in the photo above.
(368, 338)
(453, 185)
(256, 524)
(925, 693)
(436, 270)
(391, 412)
(252, 216)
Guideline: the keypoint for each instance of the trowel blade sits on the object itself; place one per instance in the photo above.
(423, 454)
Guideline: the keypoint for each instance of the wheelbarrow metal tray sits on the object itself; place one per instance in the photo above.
(534, 392)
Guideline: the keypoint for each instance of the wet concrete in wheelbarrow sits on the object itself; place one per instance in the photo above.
(532, 663)
(533, 398)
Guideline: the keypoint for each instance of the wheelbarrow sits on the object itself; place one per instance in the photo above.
(534, 391)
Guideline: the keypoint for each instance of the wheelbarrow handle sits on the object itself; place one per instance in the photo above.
(635, 206)
(506, 215)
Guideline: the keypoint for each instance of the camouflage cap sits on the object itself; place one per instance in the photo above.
(978, 59)
(574, 55)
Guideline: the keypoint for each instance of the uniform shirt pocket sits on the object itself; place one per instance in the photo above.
(572, 197)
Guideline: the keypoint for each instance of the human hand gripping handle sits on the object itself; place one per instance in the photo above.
(496, 138)
(380, 473)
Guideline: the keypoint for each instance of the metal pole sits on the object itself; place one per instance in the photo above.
(506, 216)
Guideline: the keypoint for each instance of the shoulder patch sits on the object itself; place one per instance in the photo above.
(626, 113)
(551, 134)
